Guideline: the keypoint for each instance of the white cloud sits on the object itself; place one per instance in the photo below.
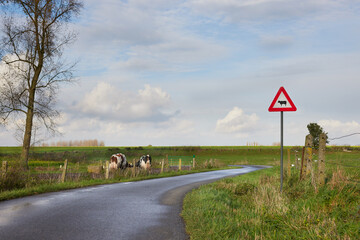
(234, 11)
(236, 121)
(176, 54)
(116, 133)
(336, 128)
(106, 102)
(143, 36)
(175, 127)
(276, 42)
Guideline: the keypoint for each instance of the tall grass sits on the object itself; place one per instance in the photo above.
(252, 207)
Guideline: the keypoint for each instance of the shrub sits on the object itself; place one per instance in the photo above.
(14, 178)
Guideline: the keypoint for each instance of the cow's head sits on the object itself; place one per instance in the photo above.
(114, 159)
(148, 158)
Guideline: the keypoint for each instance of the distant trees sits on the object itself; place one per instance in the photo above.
(315, 130)
(35, 33)
(76, 143)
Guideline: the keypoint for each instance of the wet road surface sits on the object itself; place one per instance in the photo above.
(135, 210)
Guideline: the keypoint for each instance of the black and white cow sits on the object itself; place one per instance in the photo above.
(144, 162)
(118, 161)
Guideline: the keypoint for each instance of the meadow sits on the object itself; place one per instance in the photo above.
(252, 207)
(45, 165)
(245, 207)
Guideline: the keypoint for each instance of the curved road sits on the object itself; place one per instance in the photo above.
(135, 210)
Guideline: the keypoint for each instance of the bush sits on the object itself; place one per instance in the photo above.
(14, 178)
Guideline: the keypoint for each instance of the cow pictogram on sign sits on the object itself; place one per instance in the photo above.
(282, 102)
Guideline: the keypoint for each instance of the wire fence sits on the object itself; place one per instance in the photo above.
(349, 135)
(185, 160)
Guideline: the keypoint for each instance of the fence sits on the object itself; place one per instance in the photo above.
(188, 161)
(311, 163)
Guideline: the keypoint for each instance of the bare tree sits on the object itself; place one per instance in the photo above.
(34, 36)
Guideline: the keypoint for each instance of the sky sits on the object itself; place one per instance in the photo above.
(204, 72)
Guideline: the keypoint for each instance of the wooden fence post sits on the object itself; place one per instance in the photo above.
(302, 168)
(162, 166)
(194, 161)
(308, 153)
(179, 164)
(63, 175)
(107, 170)
(322, 148)
(306, 161)
(289, 164)
(4, 168)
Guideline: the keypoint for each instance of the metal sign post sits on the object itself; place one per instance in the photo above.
(282, 149)
(282, 103)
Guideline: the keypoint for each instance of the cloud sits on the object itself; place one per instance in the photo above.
(233, 11)
(276, 42)
(143, 36)
(336, 128)
(176, 54)
(107, 102)
(236, 121)
(129, 133)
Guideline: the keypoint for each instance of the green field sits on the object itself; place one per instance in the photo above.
(245, 207)
(251, 206)
(45, 165)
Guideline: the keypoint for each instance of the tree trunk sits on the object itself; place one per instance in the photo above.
(28, 130)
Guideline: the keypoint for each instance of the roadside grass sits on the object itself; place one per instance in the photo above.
(245, 207)
(45, 165)
(44, 176)
(46, 186)
(251, 206)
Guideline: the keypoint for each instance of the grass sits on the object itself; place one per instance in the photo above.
(251, 206)
(45, 187)
(45, 166)
(245, 207)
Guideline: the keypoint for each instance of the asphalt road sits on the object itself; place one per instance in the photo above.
(136, 210)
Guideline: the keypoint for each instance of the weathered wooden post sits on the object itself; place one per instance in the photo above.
(302, 169)
(322, 148)
(4, 168)
(307, 157)
(63, 175)
(289, 164)
(308, 153)
(162, 166)
(107, 170)
(194, 161)
(179, 164)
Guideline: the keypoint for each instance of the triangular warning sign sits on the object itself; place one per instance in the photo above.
(282, 102)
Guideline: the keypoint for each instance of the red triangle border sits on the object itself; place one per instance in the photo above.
(273, 109)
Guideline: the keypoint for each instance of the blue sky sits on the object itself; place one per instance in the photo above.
(204, 72)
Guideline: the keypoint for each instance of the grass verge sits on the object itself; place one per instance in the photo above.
(54, 187)
(251, 207)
